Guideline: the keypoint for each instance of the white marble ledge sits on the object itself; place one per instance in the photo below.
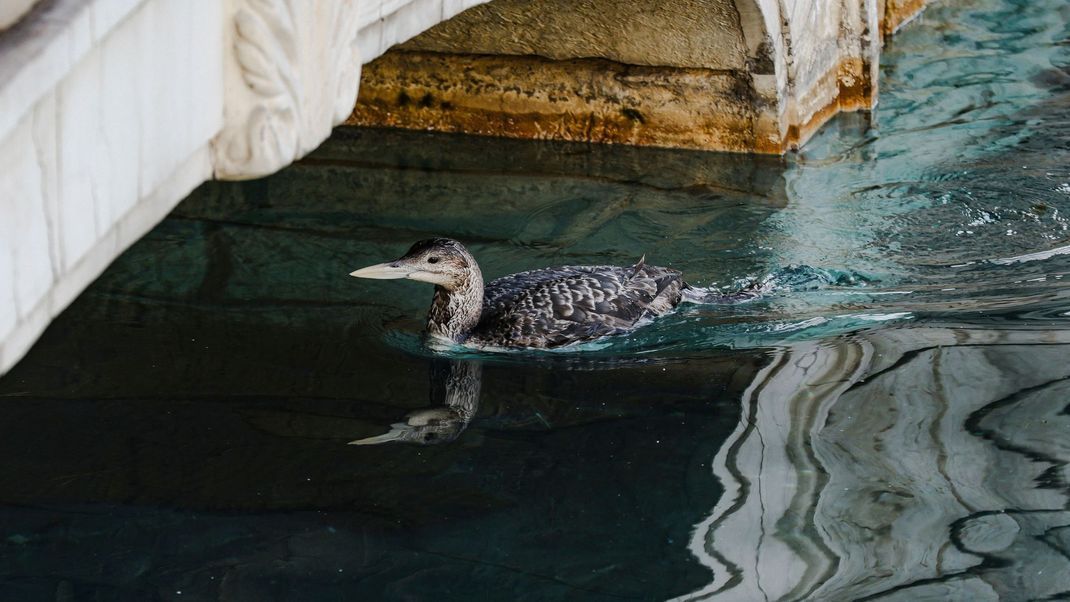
(96, 148)
(40, 51)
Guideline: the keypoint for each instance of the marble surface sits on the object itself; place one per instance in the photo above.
(111, 111)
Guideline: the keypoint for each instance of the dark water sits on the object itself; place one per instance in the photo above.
(892, 422)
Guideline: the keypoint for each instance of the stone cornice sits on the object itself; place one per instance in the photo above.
(292, 73)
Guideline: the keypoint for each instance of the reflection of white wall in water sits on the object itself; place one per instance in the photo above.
(892, 465)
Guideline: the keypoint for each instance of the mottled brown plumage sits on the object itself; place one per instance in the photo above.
(544, 308)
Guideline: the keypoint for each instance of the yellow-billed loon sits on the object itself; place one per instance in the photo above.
(544, 308)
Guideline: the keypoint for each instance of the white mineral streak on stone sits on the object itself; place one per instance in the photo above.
(892, 466)
(815, 37)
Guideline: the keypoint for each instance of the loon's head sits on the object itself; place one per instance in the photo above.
(441, 261)
(428, 426)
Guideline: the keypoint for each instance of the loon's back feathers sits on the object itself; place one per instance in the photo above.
(558, 306)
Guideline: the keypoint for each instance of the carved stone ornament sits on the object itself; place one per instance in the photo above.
(291, 75)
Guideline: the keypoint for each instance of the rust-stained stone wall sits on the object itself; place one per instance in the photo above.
(703, 74)
(895, 13)
(582, 99)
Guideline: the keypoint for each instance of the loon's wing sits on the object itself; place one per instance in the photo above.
(560, 306)
(505, 290)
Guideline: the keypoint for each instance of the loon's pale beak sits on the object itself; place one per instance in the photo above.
(384, 271)
(398, 432)
(427, 426)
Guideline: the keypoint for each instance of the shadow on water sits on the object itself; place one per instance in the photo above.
(890, 422)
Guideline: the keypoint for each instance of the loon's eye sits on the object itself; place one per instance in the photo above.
(432, 260)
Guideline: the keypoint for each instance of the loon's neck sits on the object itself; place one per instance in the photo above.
(456, 310)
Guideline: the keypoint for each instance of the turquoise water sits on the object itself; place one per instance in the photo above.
(889, 422)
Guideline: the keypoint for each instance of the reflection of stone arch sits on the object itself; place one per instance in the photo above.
(740, 75)
(897, 463)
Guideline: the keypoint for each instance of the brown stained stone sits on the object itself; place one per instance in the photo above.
(854, 92)
(593, 100)
(898, 12)
(587, 100)
(561, 70)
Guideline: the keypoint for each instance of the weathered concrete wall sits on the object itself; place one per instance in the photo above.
(705, 33)
(582, 100)
(736, 75)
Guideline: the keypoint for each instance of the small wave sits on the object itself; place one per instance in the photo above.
(791, 278)
(808, 278)
(1038, 256)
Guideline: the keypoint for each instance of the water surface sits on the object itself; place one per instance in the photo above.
(890, 422)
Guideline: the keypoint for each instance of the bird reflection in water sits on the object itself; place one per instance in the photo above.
(442, 424)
